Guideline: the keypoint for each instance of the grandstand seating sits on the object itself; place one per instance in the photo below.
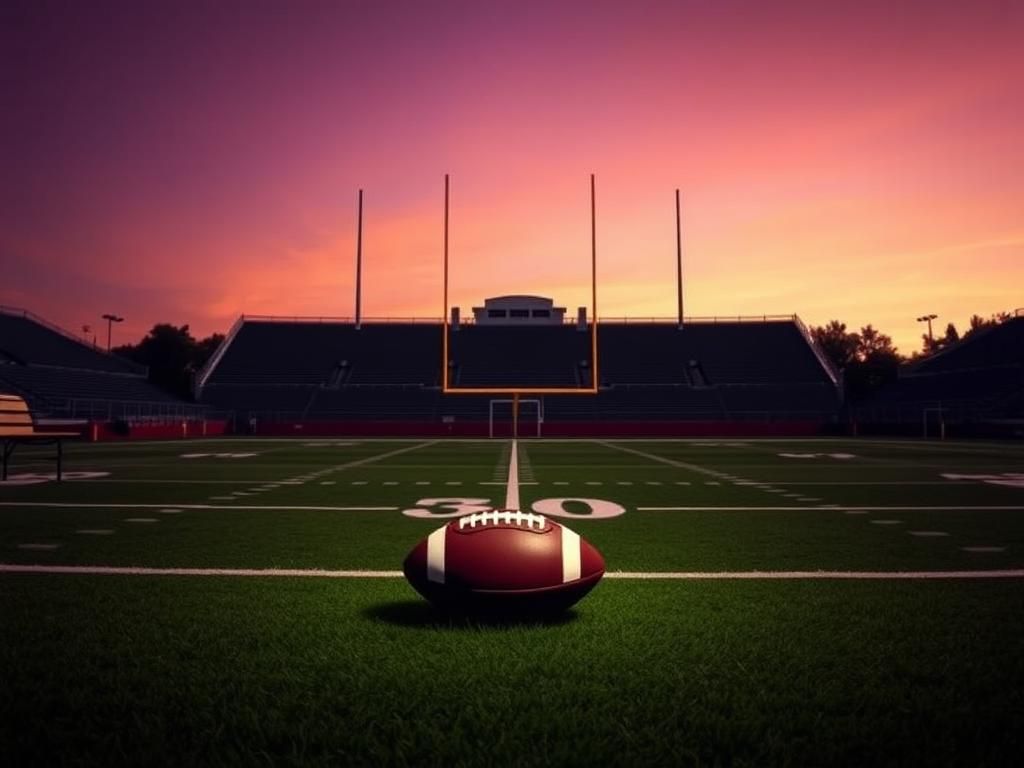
(508, 355)
(29, 340)
(997, 345)
(979, 378)
(62, 377)
(648, 371)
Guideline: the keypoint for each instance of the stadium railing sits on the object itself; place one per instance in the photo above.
(19, 312)
(132, 411)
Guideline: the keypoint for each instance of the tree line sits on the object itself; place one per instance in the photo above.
(172, 355)
(868, 358)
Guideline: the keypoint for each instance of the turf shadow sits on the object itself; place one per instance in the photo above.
(419, 614)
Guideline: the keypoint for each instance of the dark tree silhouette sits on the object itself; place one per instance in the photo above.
(867, 359)
(979, 323)
(876, 348)
(172, 356)
(839, 346)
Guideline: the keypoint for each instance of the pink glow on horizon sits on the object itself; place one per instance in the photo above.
(184, 165)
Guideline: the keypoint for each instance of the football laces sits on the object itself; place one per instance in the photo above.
(507, 517)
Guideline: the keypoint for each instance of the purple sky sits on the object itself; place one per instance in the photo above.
(188, 162)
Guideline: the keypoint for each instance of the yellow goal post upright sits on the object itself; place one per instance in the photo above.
(513, 391)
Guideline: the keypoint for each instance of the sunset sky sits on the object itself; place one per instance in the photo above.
(189, 162)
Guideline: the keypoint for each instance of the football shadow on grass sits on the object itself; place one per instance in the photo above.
(419, 614)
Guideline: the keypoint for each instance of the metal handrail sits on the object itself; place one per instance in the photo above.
(471, 320)
(200, 378)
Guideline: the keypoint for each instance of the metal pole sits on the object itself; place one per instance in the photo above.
(593, 283)
(679, 261)
(359, 261)
(110, 322)
(444, 311)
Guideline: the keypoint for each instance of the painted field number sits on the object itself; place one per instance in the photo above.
(596, 509)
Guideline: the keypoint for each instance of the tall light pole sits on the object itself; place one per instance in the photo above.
(928, 319)
(111, 319)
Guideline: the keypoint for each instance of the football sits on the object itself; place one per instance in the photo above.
(504, 562)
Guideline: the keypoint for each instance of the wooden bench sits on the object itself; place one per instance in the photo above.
(17, 427)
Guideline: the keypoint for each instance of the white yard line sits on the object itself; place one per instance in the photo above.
(853, 575)
(151, 481)
(878, 482)
(662, 460)
(101, 570)
(512, 491)
(286, 507)
(832, 508)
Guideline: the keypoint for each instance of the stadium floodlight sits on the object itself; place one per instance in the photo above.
(928, 319)
(111, 319)
(516, 391)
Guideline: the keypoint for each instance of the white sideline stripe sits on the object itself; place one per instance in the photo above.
(853, 575)
(75, 505)
(435, 555)
(570, 555)
(102, 570)
(924, 508)
(512, 492)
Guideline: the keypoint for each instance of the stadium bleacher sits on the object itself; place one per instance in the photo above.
(30, 340)
(706, 371)
(978, 379)
(62, 377)
(508, 355)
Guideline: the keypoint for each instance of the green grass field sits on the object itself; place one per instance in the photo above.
(767, 602)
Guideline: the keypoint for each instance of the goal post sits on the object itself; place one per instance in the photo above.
(935, 416)
(518, 411)
(516, 391)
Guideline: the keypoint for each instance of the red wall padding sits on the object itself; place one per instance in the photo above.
(549, 429)
(102, 431)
